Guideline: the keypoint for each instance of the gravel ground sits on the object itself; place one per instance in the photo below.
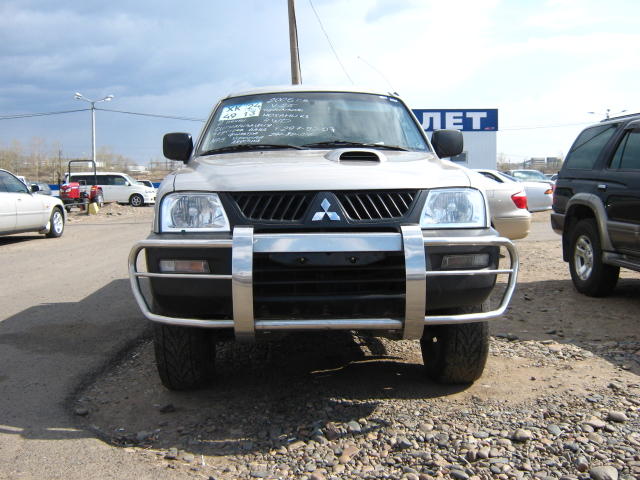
(560, 399)
(110, 212)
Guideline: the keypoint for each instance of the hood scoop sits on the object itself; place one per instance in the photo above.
(360, 155)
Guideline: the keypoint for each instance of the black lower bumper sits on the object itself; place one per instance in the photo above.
(317, 285)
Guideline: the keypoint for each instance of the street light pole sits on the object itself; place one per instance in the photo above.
(108, 98)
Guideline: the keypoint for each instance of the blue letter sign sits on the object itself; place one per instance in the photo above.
(474, 120)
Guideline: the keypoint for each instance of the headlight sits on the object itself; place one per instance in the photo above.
(193, 212)
(454, 208)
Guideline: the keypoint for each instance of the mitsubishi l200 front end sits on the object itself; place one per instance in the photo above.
(307, 209)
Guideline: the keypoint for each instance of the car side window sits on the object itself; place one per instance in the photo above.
(627, 156)
(491, 177)
(117, 180)
(9, 183)
(587, 147)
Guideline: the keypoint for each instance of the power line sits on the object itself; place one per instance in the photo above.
(536, 127)
(41, 114)
(329, 41)
(189, 119)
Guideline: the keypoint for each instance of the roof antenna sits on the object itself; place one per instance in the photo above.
(393, 90)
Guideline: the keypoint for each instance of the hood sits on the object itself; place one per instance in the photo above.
(313, 170)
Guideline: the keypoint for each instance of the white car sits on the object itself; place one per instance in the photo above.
(21, 210)
(116, 187)
(539, 194)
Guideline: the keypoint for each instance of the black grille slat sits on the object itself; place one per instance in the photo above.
(384, 206)
(359, 206)
(377, 204)
(375, 208)
(299, 209)
(317, 290)
(283, 215)
(273, 206)
(395, 205)
(352, 211)
(255, 203)
(364, 208)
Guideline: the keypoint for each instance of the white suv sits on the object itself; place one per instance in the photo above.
(117, 187)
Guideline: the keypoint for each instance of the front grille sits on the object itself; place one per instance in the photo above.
(273, 206)
(377, 204)
(283, 207)
(329, 285)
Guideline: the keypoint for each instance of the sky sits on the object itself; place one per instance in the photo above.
(543, 64)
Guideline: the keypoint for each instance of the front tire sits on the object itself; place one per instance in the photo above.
(590, 275)
(56, 224)
(456, 353)
(185, 356)
(136, 200)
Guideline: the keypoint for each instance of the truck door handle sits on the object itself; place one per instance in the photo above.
(602, 186)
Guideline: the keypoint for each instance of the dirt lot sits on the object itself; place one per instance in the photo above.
(559, 397)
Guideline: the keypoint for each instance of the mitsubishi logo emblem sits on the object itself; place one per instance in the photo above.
(333, 216)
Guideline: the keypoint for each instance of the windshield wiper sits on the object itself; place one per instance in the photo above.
(247, 146)
(346, 143)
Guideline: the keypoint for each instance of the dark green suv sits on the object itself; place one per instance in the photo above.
(596, 205)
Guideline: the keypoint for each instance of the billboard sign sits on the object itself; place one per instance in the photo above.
(472, 120)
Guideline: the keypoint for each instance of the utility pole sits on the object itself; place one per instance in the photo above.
(296, 77)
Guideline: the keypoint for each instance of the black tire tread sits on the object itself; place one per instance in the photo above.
(460, 353)
(604, 277)
(185, 357)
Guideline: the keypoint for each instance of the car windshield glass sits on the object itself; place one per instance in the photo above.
(312, 120)
(529, 175)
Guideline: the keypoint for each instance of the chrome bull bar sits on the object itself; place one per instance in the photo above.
(245, 243)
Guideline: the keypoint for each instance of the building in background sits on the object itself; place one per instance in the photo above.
(479, 128)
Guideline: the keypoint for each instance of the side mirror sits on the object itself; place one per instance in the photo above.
(177, 146)
(35, 188)
(447, 143)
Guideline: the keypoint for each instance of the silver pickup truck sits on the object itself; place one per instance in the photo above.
(319, 209)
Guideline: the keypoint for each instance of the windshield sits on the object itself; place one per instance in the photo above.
(129, 179)
(529, 175)
(312, 120)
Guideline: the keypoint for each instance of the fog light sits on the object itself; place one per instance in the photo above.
(475, 260)
(184, 266)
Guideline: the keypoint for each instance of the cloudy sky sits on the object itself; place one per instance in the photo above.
(542, 63)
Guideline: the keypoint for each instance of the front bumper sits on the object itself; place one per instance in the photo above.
(245, 245)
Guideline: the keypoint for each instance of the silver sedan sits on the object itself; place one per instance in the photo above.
(23, 211)
(507, 205)
(539, 194)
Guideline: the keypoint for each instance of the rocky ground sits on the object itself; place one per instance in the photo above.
(560, 399)
(110, 212)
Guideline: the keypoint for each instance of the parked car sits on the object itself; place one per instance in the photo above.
(596, 205)
(539, 194)
(43, 188)
(116, 187)
(525, 175)
(147, 183)
(507, 205)
(21, 210)
(341, 217)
